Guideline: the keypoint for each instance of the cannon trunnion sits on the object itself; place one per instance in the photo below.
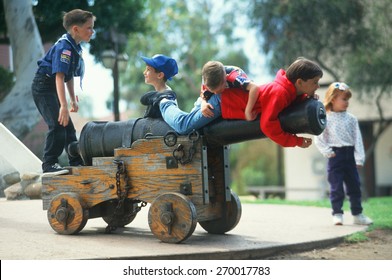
(185, 179)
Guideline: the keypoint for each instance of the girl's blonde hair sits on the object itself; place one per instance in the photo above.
(333, 91)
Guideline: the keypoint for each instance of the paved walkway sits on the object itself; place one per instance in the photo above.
(263, 230)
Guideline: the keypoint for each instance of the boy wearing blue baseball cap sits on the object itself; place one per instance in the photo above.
(162, 64)
(159, 69)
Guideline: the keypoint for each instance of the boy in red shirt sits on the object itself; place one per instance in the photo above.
(299, 81)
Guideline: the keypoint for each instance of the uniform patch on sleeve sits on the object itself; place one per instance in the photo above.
(238, 78)
(65, 56)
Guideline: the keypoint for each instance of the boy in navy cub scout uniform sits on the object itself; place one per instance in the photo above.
(56, 71)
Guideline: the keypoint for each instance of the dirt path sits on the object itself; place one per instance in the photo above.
(378, 247)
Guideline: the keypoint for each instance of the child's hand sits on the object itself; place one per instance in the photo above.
(250, 115)
(63, 116)
(306, 142)
(331, 155)
(74, 107)
(206, 109)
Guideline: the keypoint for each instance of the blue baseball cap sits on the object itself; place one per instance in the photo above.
(163, 63)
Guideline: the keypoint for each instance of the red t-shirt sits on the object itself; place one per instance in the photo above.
(273, 98)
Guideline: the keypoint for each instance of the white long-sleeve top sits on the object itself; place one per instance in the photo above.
(342, 130)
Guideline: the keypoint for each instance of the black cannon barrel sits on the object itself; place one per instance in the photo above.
(305, 117)
(99, 139)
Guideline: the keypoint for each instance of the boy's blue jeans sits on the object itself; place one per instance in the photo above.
(184, 123)
(58, 137)
(342, 169)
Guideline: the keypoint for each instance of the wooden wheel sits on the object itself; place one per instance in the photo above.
(231, 215)
(172, 217)
(67, 213)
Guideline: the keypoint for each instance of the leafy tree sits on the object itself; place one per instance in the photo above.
(369, 67)
(6, 82)
(21, 19)
(325, 31)
(254, 163)
(191, 33)
(3, 27)
(349, 39)
(17, 109)
(112, 16)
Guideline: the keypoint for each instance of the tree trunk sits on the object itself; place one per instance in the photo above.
(17, 111)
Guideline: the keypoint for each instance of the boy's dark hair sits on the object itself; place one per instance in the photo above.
(303, 69)
(76, 17)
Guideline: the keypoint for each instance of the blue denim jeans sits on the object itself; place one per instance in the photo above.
(58, 137)
(183, 122)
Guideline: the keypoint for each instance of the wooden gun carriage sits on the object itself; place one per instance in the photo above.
(184, 178)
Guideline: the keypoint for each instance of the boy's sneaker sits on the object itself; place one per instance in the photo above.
(154, 97)
(337, 219)
(147, 98)
(361, 219)
(54, 170)
(168, 94)
(152, 112)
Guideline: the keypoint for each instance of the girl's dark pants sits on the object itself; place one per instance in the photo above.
(342, 169)
(58, 137)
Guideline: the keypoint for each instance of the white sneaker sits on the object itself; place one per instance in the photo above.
(361, 219)
(337, 219)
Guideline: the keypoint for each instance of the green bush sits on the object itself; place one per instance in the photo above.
(254, 163)
(6, 82)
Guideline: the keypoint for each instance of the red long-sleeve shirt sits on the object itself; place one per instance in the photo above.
(273, 98)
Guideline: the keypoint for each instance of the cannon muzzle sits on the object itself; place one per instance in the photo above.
(99, 139)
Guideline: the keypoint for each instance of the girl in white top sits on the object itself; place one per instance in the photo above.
(341, 142)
